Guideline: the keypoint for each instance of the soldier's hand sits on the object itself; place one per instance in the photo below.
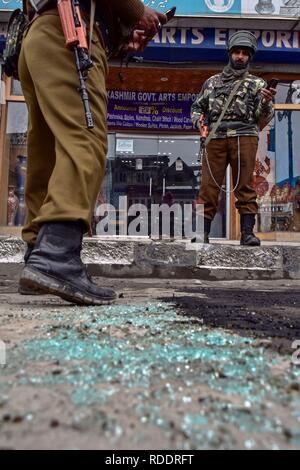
(268, 95)
(151, 22)
(138, 42)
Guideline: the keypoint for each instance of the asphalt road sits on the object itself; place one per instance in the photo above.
(173, 365)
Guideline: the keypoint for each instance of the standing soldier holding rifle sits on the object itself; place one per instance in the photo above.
(230, 110)
(65, 90)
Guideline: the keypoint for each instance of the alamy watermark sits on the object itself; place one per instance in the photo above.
(176, 221)
(2, 353)
(296, 354)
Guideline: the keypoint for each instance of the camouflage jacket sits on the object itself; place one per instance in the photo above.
(244, 116)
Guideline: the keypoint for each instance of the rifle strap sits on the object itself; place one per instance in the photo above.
(92, 19)
(226, 106)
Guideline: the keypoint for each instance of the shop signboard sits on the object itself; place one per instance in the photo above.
(289, 8)
(198, 7)
(124, 145)
(193, 44)
(10, 4)
(149, 111)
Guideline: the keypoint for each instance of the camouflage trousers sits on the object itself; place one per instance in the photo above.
(220, 153)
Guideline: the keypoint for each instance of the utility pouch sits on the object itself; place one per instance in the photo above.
(17, 25)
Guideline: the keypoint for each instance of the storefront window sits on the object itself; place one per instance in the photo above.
(155, 170)
(286, 191)
(16, 89)
(277, 175)
(288, 92)
(277, 170)
(265, 179)
(16, 164)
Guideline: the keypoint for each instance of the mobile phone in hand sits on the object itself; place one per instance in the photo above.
(272, 83)
(170, 14)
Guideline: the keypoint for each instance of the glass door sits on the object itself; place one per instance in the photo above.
(151, 171)
(286, 191)
(277, 171)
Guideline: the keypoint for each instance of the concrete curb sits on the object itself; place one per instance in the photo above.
(168, 259)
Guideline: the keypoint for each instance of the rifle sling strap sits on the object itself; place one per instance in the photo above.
(92, 19)
(215, 127)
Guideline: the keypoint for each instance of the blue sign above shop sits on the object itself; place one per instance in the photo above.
(259, 8)
(198, 7)
(184, 44)
(10, 4)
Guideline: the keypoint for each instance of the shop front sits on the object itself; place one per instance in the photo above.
(153, 155)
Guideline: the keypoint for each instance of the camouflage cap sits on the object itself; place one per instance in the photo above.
(243, 38)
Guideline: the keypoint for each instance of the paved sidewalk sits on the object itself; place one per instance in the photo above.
(144, 258)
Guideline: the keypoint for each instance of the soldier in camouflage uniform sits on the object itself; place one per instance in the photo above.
(235, 141)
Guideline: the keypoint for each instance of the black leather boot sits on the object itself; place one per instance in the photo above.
(55, 267)
(28, 253)
(247, 236)
(207, 225)
(26, 290)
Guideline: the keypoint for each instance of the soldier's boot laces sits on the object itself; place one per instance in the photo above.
(55, 267)
(247, 236)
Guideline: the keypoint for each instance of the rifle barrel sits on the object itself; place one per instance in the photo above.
(84, 93)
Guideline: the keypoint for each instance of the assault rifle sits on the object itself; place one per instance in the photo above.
(75, 36)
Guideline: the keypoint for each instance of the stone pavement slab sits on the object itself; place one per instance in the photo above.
(168, 259)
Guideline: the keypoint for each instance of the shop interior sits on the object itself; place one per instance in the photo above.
(165, 167)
